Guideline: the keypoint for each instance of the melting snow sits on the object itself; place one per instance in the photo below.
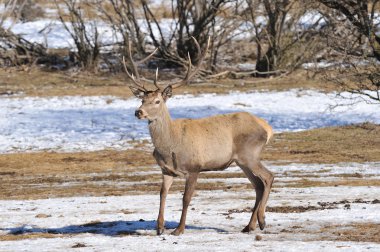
(128, 222)
(76, 123)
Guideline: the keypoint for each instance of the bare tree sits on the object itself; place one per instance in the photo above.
(192, 18)
(15, 50)
(123, 17)
(28, 10)
(282, 43)
(357, 55)
(362, 15)
(84, 33)
(201, 15)
(140, 23)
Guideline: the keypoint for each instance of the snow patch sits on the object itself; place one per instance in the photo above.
(80, 123)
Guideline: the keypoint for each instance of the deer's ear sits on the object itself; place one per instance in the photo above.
(167, 93)
(137, 92)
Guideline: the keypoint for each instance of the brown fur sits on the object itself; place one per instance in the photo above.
(185, 147)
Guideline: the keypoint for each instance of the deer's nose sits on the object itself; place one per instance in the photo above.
(138, 113)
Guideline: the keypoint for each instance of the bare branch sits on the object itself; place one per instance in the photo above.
(190, 74)
(135, 76)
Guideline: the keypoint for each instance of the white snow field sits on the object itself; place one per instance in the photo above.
(76, 123)
(215, 218)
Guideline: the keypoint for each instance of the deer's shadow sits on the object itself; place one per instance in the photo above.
(111, 228)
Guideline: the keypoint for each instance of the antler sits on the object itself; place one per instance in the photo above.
(190, 74)
(135, 77)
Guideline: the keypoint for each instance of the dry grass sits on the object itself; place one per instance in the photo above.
(354, 232)
(44, 83)
(357, 232)
(283, 209)
(40, 83)
(354, 143)
(13, 237)
(346, 182)
(43, 175)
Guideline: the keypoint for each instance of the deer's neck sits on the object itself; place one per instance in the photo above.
(161, 132)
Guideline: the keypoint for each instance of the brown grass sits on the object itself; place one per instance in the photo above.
(13, 237)
(47, 83)
(283, 209)
(357, 232)
(49, 174)
(355, 143)
(346, 182)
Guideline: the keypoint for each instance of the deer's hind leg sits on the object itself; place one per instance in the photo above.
(259, 188)
(261, 179)
(267, 178)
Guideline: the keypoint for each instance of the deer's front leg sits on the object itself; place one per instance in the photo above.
(191, 181)
(166, 183)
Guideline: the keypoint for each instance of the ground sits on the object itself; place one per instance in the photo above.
(41, 175)
(334, 212)
(325, 194)
(47, 83)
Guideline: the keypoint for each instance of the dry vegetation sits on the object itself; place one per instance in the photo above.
(36, 82)
(357, 232)
(355, 143)
(278, 46)
(42, 175)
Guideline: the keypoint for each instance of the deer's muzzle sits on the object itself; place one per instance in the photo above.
(138, 113)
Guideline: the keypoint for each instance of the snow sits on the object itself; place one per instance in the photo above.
(127, 222)
(80, 123)
(310, 19)
(320, 65)
(51, 32)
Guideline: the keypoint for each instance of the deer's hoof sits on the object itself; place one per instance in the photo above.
(247, 229)
(262, 224)
(177, 232)
(160, 231)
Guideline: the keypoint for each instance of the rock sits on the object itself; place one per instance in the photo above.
(41, 215)
(79, 245)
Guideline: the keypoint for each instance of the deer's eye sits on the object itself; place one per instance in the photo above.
(157, 102)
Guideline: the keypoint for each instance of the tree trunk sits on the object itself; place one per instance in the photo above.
(267, 63)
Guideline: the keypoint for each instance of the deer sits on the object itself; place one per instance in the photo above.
(186, 147)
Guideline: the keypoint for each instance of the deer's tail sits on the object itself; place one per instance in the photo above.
(267, 128)
(269, 131)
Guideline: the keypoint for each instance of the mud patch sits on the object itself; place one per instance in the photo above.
(16, 237)
(285, 209)
(297, 209)
(301, 209)
(79, 245)
(357, 232)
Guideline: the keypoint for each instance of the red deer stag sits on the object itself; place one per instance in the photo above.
(186, 147)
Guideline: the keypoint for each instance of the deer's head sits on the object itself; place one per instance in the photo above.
(153, 101)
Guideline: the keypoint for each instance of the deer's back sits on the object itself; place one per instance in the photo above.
(213, 141)
(221, 126)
